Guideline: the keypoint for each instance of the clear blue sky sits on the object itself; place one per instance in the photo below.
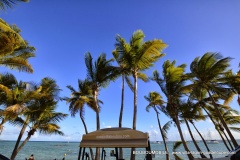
(63, 31)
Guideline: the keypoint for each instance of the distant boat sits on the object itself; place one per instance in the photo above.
(158, 142)
(210, 140)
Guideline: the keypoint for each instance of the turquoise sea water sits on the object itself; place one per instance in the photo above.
(51, 150)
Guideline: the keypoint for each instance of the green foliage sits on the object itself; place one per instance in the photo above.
(14, 51)
(4, 4)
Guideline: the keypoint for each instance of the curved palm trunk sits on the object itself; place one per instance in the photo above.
(86, 131)
(194, 141)
(15, 150)
(214, 123)
(22, 144)
(176, 120)
(202, 140)
(227, 139)
(222, 121)
(164, 141)
(224, 140)
(134, 110)
(1, 125)
(121, 114)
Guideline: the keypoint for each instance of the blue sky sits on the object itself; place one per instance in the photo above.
(63, 31)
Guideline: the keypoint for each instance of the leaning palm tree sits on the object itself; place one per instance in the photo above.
(172, 86)
(4, 4)
(210, 73)
(190, 113)
(155, 101)
(39, 113)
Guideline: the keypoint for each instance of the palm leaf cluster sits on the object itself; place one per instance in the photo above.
(197, 95)
(4, 4)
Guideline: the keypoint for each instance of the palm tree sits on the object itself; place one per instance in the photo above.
(138, 56)
(78, 99)
(13, 95)
(190, 113)
(124, 72)
(199, 96)
(155, 101)
(9, 3)
(172, 86)
(39, 113)
(99, 74)
(14, 51)
(209, 73)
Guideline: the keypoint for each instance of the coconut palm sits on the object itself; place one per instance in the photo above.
(209, 72)
(78, 100)
(199, 96)
(13, 96)
(190, 113)
(99, 74)
(139, 56)
(172, 86)
(9, 3)
(155, 101)
(39, 113)
(14, 51)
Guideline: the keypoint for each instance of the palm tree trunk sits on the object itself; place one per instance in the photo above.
(23, 143)
(86, 131)
(1, 125)
(224, 140)
(227, 139)
(202, 140)
(190, 156)
(214, 123)
(164, 141)
(121, 114)
(122, 104)
(194, 141)
(134, 110)
(222, 121)
(15, 150)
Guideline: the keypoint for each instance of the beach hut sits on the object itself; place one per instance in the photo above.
(115, 138)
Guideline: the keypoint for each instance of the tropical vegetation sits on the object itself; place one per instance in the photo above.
(202, 93)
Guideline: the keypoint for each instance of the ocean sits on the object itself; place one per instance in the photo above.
(47, 150)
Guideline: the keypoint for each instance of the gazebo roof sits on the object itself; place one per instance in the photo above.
(115, 137)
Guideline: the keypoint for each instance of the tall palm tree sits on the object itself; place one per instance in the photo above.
(139, 56)
(155, 100)
(124, 72)
(172, 86)
(99, 74)
(9, 3)
(39, 113)
(78, 100)
(209, 72)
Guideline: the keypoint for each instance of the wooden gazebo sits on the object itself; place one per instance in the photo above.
(115, 138)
